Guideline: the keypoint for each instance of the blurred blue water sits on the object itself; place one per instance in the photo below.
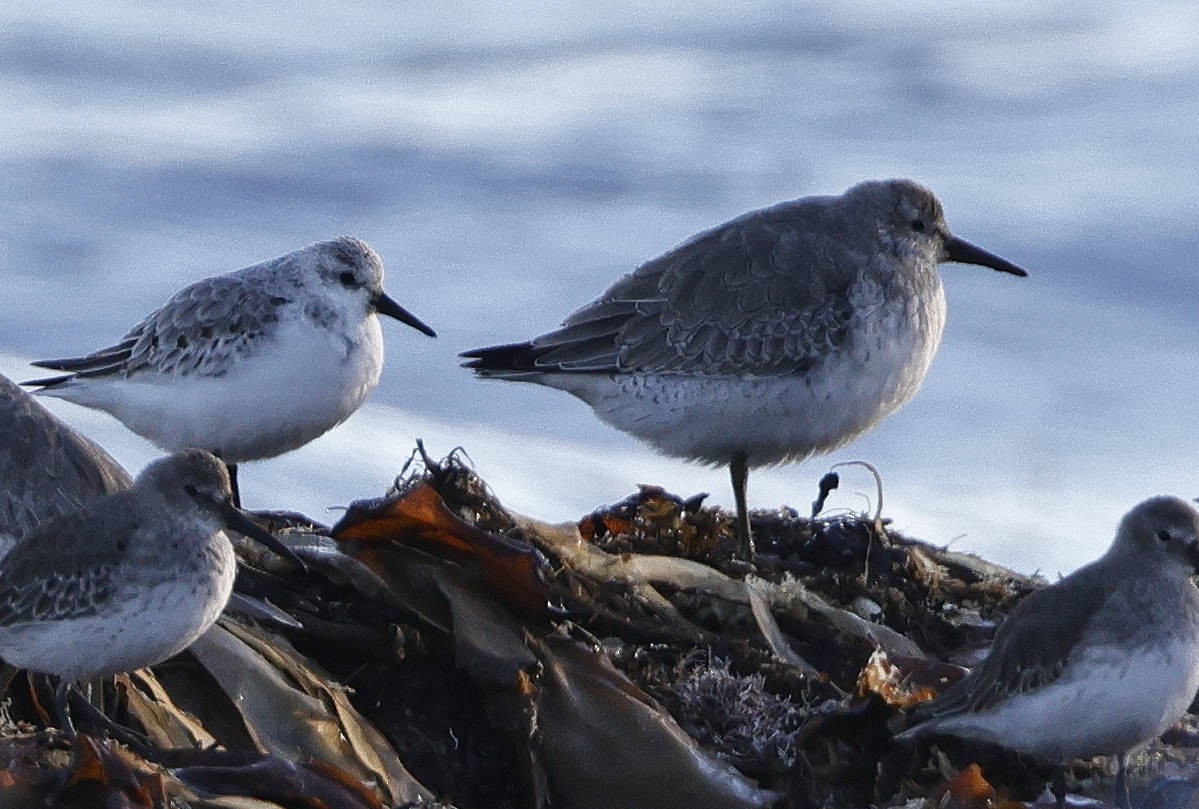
(508, 164)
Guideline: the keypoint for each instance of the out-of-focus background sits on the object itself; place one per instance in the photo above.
(509, 163)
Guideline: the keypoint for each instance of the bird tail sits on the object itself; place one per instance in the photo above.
(501, 360)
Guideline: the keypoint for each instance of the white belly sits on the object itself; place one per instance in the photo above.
(128, 633)
(283, 395)
(1114, 702)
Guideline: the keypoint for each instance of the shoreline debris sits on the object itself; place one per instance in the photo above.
(449, 653)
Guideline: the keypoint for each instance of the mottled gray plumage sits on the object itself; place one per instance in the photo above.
(785, 332)
(767, 293)
(46, 468)
(197, 332)
(1100, 662)
(250, 364)
(130, 579)
(204, 328)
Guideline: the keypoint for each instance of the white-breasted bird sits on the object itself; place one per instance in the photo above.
(250, 364)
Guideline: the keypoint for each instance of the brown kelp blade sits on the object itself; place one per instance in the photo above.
(419, 517)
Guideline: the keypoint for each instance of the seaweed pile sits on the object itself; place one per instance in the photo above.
(441, 651)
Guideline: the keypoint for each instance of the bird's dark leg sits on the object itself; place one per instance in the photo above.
(232, 467)
(61, 707)
(1122, 781)
(138, 742)
(7, 674)
(739, 469)
(1059, 786)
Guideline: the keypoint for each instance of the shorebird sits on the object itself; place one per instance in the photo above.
(46, 468)
(1099, 663)
(127, 581)
(250, 364)
(786, 332)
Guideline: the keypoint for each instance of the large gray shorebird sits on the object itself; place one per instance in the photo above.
(250, 364)
(1099, 663)
(783, 333)
(46, 467)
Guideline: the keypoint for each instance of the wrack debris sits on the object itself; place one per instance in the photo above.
(442, 651)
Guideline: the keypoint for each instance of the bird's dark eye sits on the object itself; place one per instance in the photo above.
(191, 490)
(918, 225)
(1163, 535)
(347, 279)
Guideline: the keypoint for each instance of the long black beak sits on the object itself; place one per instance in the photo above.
(965, 253)
(239, 522)
(386, 306)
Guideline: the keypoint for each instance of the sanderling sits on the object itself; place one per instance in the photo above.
(46, 468)
(250, 364)
(783, 333)
(129, 580)
(1099, 663)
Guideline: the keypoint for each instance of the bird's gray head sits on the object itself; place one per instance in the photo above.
(1161, 529)
(196, 482)
(189, 480)
(911, 224)
(349, 271)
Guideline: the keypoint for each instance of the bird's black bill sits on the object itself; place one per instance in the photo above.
(966, 253)
(386, 306)
(239, 522)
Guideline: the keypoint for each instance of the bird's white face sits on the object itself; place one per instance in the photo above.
(347, 275)
(344, 279)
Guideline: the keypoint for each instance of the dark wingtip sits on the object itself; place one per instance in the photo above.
(48, 381)
(66, 364)
(509, 357)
